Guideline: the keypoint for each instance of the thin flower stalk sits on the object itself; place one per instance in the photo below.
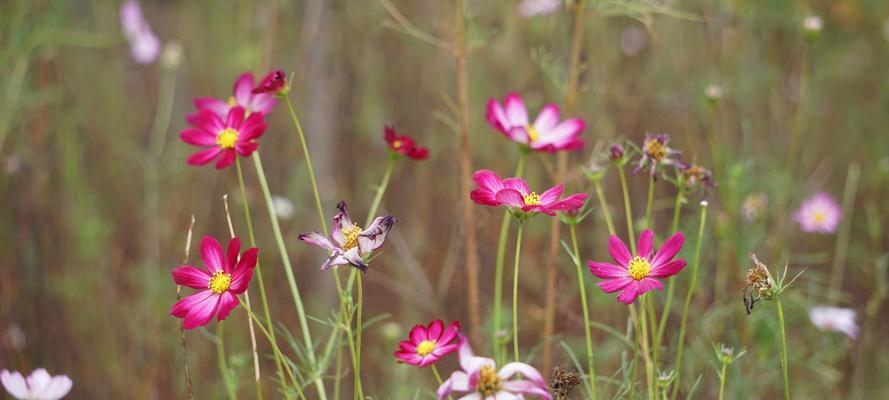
(188, 387)
(275, 348)
(591, 366)
(515, 294)
(649, 223)
(498, 271)
(606, 213)
(688, 296)
(220, 360)
(668, 303)
(784, 367)
(842, 245)
(627, 208)
(308, 158)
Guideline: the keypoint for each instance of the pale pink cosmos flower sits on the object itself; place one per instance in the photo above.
(348, 243)
(530, 8)
(481, 380)
(514, 193)
(226, 276)
(819, 213)
(545, 134)
(834, 319)
(40, 385)
(225, 137)
(633, 276)
(428, 344)
(144, 45)
(243, 96)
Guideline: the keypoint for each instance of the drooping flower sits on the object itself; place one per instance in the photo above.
(226, 276)
(40, 385)
(404, 145)
(480, 378)
(224, 137)
(274, 82)
(656, 152)
(545, 134)
(514, 193)
(819, 213)
(530, 8)
(144, 45)
(834, 319)
(427, 344)
(242, 96)
(348, 243)
(692, 174)
(633, 276)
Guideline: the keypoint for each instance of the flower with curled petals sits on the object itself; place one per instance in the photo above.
(515, 194)
(275, 83)
(656, 152)
(242, 96)
(40, 385)
(226, 276)
(633, 276)
(546, 134)
(224, 138)
(427, 344)
(348, 243)
(480, 379)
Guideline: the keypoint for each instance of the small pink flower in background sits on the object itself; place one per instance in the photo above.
(530, 8)
(514, 192)
(404, 145)
(273, 83)
(819, 213)
(834, 319)
(243, 96)
(634, 276)
(225, 138)
(545, 134)
(144, 45)
(348, 243)
(427, 344)
(40, 385)
(480, 378)
(226, 276)
(656, 152)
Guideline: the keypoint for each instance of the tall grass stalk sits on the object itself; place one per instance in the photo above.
(221, 362)
(498, 272)
(591, 366)
(842, 245)
(600, 193)
(784, 367)
(668, 303)
(275, 348)
(188, 387)
(627, 209)
(515, 293)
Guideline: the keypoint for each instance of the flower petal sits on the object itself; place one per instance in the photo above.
(243, 272)
(435, 329)
(629, 294)
(669, 250)
(552, 194)
(418, 334)
(204, 156)
(496, 116)
(14, 383)
(243, 89)
(201, 313)
(666, 270)
(252, 128)
(646, 241)
(211, 253)
(449, 334)
(217, 106)
(317, 239)
(606, 270)
(235, 118)
(547, 118)
(227, 302)
(563, 132)
(182, 307)
(375, 235)
(192, 277)
(488, 180)
(58, 387)
(207, 120)
(510, 197)
(198, 137)
(615, 284)
(231, 256)
(649, 284)
(618, 250)
(569, 203)
(227, 159)
(525, 370)
(517, 184)
(516, 113)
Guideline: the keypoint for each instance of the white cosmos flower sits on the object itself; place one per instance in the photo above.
(834, 319)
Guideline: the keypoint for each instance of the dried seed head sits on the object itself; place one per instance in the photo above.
(562, 382)
(758, 284)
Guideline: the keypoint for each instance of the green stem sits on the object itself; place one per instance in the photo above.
(688, 296)
(258, 269)
(308, 158)
(380, 190)
(347, 325)
(722, 381)
(498, 271)
(220, 358)
(649, 223)
(275, 347)
(842, 245)
(604, 204)
(437, 375)
(591, 368)
(662, 326)
(360, 330)
(640, 320)
(628, 209)
(288, 270)
(515, 294)
(784, 366)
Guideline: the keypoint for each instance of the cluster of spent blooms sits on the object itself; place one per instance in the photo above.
(40, 385)
(546, 134)
(144, 45)
(515, 194)
(348, 243)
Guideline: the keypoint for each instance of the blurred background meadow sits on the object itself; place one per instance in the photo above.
(97, 198)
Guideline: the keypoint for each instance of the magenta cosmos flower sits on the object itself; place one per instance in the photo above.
(273, 83)
(40, 385)
(819, 213)
(545, 134)
(427, 344)
(514, 193)
(404, 145)
(634, 276)
(348, 243)
(480, 378)
(243, 96)
(224, 138)
(225, 278)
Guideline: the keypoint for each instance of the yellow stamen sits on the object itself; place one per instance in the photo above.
(396, 144)
(532, 199)
(232, 101)
(219, 282)
(227, 138)
(488, 381)
(532, 133)
(655, 149)
(639, 268)
(425, 347)
(819, 216)
(350, 236)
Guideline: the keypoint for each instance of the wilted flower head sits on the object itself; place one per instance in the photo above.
(427, 344)
(758, 284)
(348, 243)
(819, 213)
(546, 134)
(144, 45)
(480, 378)
(635, 275)
(40, 385)
(562, 382)
(226, 276)
(655, 151)
(617, 153)
(404, 145)
(275, 82)
(692, 174)
(754, 205)
(242, 96)
(515, 194)
(225, 137)
(834, 319)
(530, 8)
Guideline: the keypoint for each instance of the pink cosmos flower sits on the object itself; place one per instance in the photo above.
(530, 8)
(655, 151)
(273, 83)
(514, 193)
(427, 344)
(634, 276)
(348, 243)
(226, 138)
(834, 319)
(144, 45)
(40, 385)
(819, 213)
(243, 96)
(404, 145)
(225, 278)
(546, 134)
(480, 378)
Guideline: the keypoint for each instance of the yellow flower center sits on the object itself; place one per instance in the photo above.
(350, 236)
(396, 144)
(488, 381)
(819, 216)
(425, 347)
(639, 268)
(219, 282)
(532, 133)
(532, 199)
(227, 138)
(232, 101)
(655, 149)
